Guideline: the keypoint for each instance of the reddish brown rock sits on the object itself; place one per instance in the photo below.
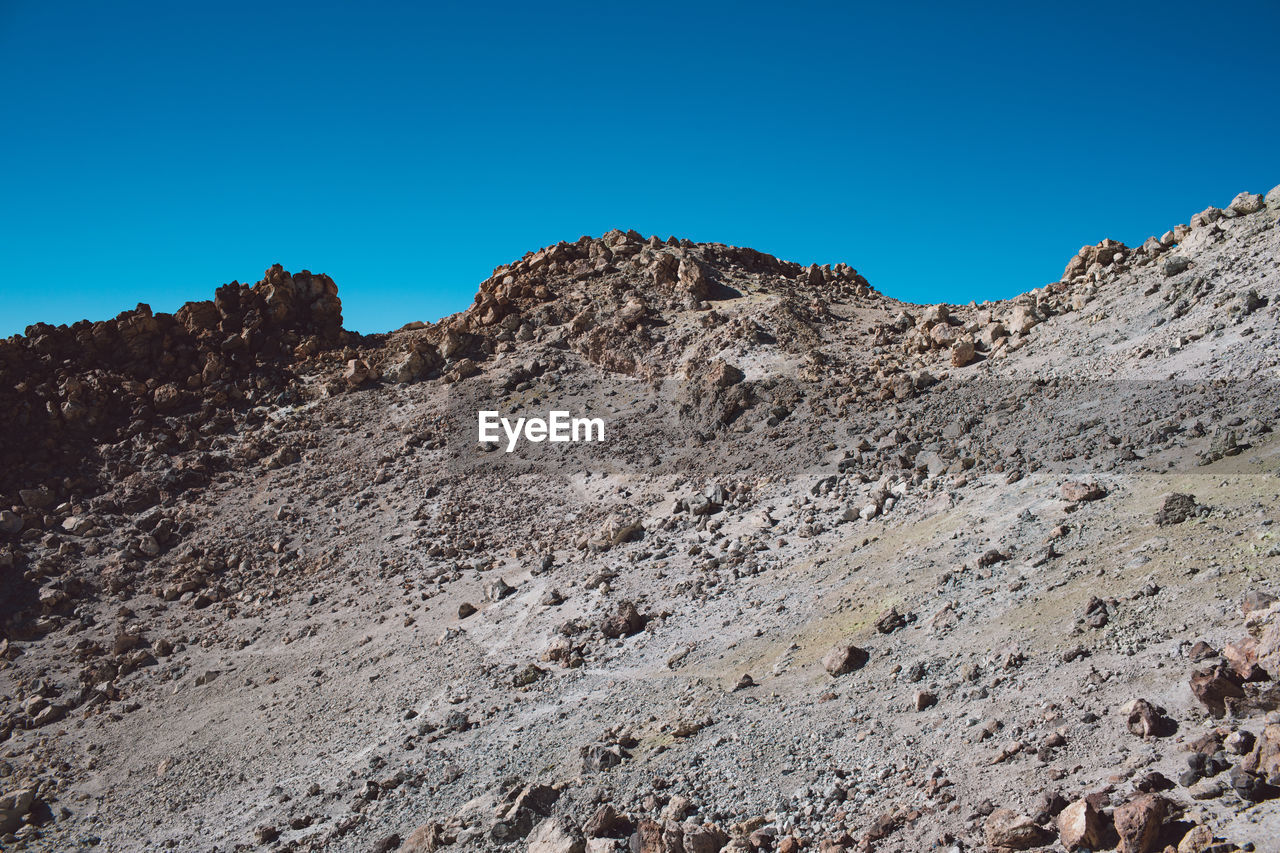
(1242, 657)
(607, 823)
(624, 622)
(1146, 720)
(707, 838)
(1077, 492)
(1139, 823)
(1214, 686)
(844, 658)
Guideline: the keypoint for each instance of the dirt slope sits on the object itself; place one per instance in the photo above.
(263, 587)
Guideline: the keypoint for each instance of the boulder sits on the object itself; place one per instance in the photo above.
(1246, 203)
(522, 809)
(554, 835)
(623, 622)
(721, 374)
(357, 373)
(1266, 628)
(1214, 686)
(1139, 823)
(1256, 599)
(10, 522)
(494, 590)
(1022, 320)
(1242, 656)
(1175, 508)
(1272, 199)
(1102, 254)
(1081, 825)
(1206, 217)
(1146, 720)
(692, 278)
(890, 620)
(427, 838)
(465, 368)
(618, 528)
(13, 805)
(41, 497)
(707, 838)
(844, 658)
(1198, 840)
(1076, 491)
(962, 352)
(408, 368)
(1008, 829)
(607, 823)
(1264, 760)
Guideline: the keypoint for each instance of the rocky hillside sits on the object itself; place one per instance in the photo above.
(846, 574)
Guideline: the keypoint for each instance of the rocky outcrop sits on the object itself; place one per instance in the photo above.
(64, 389)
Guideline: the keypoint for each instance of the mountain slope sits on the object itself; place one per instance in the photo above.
(263, 586)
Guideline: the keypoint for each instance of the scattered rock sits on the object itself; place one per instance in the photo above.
(13, 805)
(844, 658)
(924, 699)
(890, 620)
(1176, 508)
(1076, 492)
(555, 835)
(1139, 823)
(1214, 686)
(1081, 825)
(1246, 203)
(624, 622)
(1146, 720)
(1008, 829)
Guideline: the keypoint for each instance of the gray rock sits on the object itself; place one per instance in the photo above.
(1205, 217)
(1175, 508)
(556, 835)
(496, 590)
(1246, 203)
(13, 805)
(39, 498)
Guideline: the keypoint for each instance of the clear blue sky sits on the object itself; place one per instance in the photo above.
(153, 150)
